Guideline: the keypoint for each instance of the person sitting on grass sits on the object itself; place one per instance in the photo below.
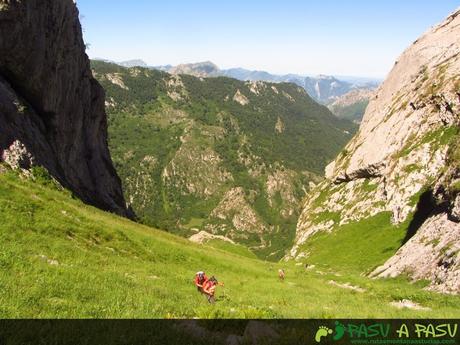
(209, 288)
(200, 280)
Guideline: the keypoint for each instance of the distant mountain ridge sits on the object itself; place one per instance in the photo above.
(324, 89)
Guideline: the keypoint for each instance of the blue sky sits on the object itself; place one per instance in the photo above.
(359, 38)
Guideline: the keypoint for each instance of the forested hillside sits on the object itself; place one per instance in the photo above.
(219, 155)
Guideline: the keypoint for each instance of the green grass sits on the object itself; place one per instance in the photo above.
(195, 223)
(232, 248)
(455, 187)
(61, 258)
(327, 216)
(363, 245)
(453, 154)
(438, 137)
(411, 168)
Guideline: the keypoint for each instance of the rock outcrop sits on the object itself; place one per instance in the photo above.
(235, 218)
(404, 160)
(431, 254)
(51, 108)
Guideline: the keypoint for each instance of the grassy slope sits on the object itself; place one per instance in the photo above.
(106, 266)
(363, 245)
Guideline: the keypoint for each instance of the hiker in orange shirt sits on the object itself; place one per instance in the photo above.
(200, 280)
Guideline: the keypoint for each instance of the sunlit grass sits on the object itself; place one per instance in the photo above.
(61, 258)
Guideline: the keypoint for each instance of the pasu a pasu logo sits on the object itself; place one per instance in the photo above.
(384, 330)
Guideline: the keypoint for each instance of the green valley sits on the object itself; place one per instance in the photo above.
(219, 155)
(119, 184)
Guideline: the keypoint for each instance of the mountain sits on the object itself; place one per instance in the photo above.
(63, 258)
(51, 108)
(352, 105)
(244, 74)
(132, 63)
(394, 189)
(204, 69)
(200, 69)
(324, 89)
(219, 155)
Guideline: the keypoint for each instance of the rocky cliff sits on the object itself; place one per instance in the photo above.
(51, 109)
(404, 160)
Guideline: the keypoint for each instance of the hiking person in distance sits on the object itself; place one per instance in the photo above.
(281, 274)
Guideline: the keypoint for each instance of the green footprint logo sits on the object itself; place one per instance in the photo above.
(322, 331)
(339, 331)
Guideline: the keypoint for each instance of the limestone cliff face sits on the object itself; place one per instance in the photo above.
(416, 98)
(403, 161)
(51, 108)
